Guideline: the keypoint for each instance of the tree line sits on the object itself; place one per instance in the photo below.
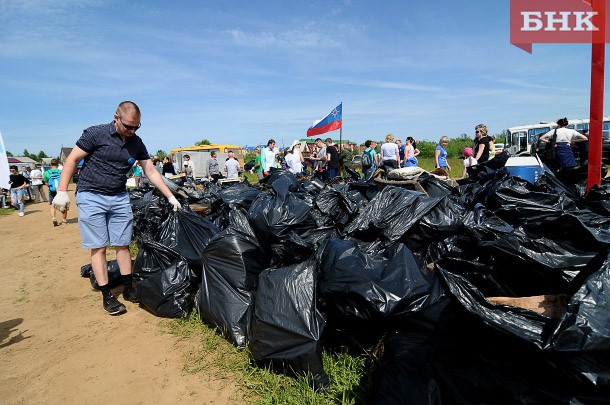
(34, 156)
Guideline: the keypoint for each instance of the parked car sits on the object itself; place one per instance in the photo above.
(357, 162)
(499, 148)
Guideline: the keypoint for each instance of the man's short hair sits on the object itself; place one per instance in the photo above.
(230, 151)
(318, 139)
(14, 167)
(54, 162)
(368, 143)
(213, 153)
(328, 140)
(186, 156)
(270, 141)
(125, 106)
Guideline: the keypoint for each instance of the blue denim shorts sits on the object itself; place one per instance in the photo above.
(104, 219)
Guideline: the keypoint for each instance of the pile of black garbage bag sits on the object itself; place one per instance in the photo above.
(289, 267)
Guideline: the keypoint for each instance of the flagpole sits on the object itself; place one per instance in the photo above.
(341, 129)
(598, 50)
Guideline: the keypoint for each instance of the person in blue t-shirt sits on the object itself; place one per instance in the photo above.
(440, 155)
(401, 152)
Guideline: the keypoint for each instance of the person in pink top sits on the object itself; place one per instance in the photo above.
(411, 152)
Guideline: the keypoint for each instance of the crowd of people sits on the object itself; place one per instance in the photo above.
(28, 185)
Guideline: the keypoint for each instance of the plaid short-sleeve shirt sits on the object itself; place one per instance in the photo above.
(109, 159)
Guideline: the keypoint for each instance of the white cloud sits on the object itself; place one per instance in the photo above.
(286, 39)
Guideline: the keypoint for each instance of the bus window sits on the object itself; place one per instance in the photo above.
(534, 134)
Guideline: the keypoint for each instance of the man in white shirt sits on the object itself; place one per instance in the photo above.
(232, 167)
(268, 157)
(36, 182)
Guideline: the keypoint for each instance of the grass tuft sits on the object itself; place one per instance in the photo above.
(211, 354)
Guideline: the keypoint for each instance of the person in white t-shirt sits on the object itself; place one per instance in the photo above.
(232, 167)
(37, 186)
(268, 157)
(564, 157)
(294, 160)
(390, 155)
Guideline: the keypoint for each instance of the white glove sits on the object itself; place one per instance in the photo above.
(173, 201)
(61, 201)
(251, 171)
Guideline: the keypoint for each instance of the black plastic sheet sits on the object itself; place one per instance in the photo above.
(287, 327)
(164, 282)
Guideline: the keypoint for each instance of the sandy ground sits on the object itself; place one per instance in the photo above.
(58, 345)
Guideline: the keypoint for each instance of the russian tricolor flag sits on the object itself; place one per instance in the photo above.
(331, 122)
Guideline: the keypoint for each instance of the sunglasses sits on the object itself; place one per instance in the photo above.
(130, 127)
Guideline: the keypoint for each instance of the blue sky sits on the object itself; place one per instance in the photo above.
(245, 71)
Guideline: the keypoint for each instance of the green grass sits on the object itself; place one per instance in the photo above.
(216, 357)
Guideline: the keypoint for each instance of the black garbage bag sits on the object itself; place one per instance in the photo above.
(114, 275)
(232, 261)
(583, 334)
(435, 187)
(517, 201)
(337, 206)
(165, 284)
(187, 233)
(298, 247)
(276, 214)
(481, 225)
(281, 180)
(400, 374)
(598, 199)
(491, 353)
(240, 195)
(441, 222)
(463, 361)
(391, 213)
(149, 211)
(366, 294)
(287, 327)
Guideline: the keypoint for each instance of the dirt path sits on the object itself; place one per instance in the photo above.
(57, 344)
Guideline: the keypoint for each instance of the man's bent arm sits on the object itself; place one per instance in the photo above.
(72, 160)
(155, 178)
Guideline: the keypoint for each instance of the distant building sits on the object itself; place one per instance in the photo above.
(63, 154)
(22, 161)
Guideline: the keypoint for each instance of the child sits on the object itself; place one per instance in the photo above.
(469, 161)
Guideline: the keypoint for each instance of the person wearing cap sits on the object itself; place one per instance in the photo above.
(469, 161)
(294, 160)
(104, 212)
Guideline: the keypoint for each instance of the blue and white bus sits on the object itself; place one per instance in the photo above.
(519, 140)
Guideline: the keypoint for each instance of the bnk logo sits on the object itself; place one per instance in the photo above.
(552, 21)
